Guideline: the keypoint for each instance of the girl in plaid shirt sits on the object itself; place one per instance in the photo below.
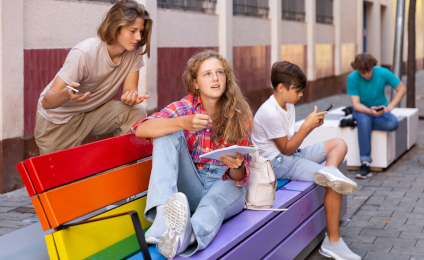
(213, 116)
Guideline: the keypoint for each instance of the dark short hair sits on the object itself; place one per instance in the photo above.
(364, 62)
(288, 74)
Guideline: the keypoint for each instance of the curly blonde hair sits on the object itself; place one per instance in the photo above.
(233, 120)
(124, 13)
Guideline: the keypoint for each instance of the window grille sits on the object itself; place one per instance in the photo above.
(324, 11)
(205, 6)
(258, 8)
(294, 10)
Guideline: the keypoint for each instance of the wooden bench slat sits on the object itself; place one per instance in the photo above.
(26, 179)
(237, 229)
(55, 169)
(275, 231)
(296, 242)
(74, 200)
(40, 213)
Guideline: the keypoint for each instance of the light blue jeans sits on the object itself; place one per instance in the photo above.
(367, 123)
(210, 198)
(301, 165)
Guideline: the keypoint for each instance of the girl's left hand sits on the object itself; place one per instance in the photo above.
(132, 98)
(233, 163)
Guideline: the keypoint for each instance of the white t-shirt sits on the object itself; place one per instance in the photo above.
(271, 122)
(89, 64)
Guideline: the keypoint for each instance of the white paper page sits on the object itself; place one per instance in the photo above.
(228, 151)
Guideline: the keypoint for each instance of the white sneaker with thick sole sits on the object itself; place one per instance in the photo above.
(338, 251)
(178, 233)
(334, 179)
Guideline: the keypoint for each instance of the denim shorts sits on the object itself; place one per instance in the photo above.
(301, 165)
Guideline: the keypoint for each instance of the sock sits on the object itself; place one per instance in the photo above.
(367, 163)
(192, 238)
(158, 227)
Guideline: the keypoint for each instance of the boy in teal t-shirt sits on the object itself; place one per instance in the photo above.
(371, 109)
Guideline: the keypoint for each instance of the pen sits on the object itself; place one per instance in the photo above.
(192, 109)
(74, 89)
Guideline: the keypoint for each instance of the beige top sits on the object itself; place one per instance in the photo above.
(89, 64)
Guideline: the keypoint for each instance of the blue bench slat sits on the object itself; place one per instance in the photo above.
(299, 239)
(270, 235)
(153, 253)
(247, 222)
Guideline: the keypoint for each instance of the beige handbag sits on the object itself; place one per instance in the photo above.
(262, 184)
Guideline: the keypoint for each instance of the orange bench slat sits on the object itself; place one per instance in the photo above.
(59, 168)
(40, 213)
(74, 200)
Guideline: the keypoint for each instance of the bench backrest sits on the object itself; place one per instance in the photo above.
(66, 185)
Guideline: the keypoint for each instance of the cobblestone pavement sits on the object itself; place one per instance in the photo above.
(16, 211)
(384, 218)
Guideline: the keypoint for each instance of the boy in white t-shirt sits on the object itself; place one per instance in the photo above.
(277, 141)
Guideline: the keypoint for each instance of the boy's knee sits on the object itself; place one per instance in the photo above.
(341, 143)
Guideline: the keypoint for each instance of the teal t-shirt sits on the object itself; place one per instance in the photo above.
(371, 92)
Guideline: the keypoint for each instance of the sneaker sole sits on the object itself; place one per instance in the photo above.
(175, 215)
(359, 176)
(329, 254)
(338, 185)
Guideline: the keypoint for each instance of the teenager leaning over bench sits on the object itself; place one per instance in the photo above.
(365, 86)
(274, 136)
(213, 116)
(97, 67)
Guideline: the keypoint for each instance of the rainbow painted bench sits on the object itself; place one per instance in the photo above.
(93, 197)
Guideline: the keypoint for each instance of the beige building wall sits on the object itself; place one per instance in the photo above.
(324, 33)
(251, 31)
(293, 32)
(60, 24)
(348, 21)
(177, 28)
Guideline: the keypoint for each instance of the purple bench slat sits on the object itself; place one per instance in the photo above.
(299, 239)
(247, 222)
(270, 235)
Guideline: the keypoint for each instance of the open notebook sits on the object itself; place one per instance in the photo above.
(230, 150)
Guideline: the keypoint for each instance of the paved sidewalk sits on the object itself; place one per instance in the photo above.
(16, 211)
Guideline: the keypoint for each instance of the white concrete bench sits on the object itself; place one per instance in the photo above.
(385, 146)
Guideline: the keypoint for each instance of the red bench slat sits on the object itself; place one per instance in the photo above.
(63, 167)
(27, 180)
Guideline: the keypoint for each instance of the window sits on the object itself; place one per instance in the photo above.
(294, 10)
(258, 8)
(324, 10)
(205, 6)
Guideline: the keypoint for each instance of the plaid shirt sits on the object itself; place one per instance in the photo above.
(199, 142)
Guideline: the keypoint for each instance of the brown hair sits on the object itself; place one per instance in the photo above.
(288, 74)
(124, 13)
(233, 119)
(364, 62)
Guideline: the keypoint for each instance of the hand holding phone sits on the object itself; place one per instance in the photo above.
(329, 107)
(379, 109)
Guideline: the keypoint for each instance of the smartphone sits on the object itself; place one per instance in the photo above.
(329, 107)
(379, 109)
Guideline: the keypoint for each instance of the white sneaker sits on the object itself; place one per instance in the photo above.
(178, 233)
(333, 178)
(338, 251)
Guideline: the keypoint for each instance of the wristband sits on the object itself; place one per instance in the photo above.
(240, 166)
